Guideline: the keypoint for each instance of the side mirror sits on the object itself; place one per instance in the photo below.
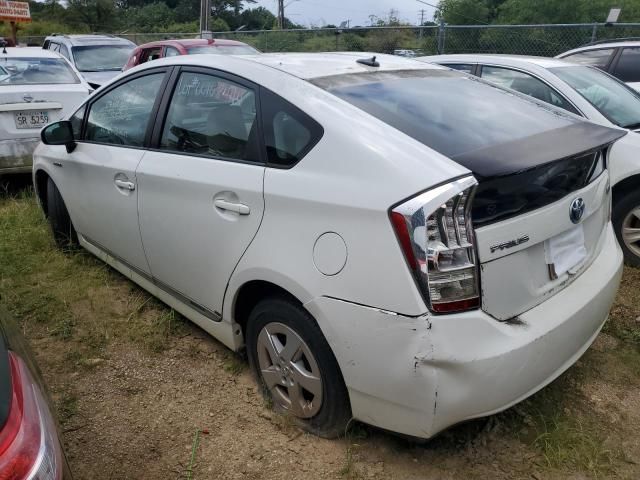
(59, 133)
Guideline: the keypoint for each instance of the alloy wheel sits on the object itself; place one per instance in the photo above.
(631, 231)
(289, 370)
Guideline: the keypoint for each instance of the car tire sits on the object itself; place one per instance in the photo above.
(626, 216)
(319, 407)
(63, 232)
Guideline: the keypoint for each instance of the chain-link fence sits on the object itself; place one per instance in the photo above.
(544, 40)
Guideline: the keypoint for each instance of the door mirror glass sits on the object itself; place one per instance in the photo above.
(59, 133)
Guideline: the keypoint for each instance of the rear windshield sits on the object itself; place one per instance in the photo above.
(445, 110)
(224, 50)
(613, 99)
(101, 58)
(35, 71)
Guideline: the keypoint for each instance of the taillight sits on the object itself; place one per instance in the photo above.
(29, 447)
(435, 232)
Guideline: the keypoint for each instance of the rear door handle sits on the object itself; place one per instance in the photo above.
(239, 208)
(125, 185)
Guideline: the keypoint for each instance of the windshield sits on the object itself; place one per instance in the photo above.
(612, 98)
(445, 110)
(224, 50)
(101, 58)
(32, 71)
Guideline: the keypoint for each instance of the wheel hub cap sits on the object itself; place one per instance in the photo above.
(631, 231)
(289, 370)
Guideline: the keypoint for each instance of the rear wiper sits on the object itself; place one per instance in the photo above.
(632, 126)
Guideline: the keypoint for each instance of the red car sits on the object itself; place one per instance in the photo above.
(172, 48)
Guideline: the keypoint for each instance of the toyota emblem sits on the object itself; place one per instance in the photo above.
(577, 210)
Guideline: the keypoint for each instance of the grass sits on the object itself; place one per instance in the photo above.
(71, 296)
(234, 364)
(67, 407)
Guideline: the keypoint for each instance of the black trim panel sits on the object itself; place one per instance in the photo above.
(536, 150)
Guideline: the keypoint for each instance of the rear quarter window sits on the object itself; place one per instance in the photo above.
(289, 133)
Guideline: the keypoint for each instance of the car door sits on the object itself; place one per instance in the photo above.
(201, 187)
(527, 84)
(99, 175)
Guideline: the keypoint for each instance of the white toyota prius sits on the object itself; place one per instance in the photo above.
(390, 241)
(36, 87)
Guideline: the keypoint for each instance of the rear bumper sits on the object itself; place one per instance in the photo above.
(16, 156)
(418, 376)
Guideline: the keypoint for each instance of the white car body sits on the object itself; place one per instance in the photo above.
(624, 156)
(320, 233)
(17, 144)
(610, 62)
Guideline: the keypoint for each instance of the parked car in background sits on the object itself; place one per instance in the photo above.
(584, 91)
(99, 58)
(171, 48)
(30, 446)
(342, 214)
(36, 87)
(620, 58)
(405, 53)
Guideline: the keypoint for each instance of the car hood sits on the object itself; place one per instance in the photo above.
(100, 78)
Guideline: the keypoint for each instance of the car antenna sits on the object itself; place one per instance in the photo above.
(369, 62)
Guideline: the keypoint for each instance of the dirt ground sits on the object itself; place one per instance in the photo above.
(134, 383)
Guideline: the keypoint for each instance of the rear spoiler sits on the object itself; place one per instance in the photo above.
(537, 150)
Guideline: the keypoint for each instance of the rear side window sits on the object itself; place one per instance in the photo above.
(120, 116)
(628, 67)
(595, 58)
(527, 84)
(461, 67)
(289, 133)
(212, 116)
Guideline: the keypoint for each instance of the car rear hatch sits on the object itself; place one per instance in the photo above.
(543, 199)
(540, 212)
(25, 109)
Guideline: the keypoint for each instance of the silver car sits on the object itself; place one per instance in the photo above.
(99, 58)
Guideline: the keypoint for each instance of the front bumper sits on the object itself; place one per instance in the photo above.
(16, 156)
(418, 376)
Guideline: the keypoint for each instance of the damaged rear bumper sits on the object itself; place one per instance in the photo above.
(418, 376)
(16, 156)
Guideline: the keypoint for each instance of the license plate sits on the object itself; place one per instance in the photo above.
(565, 251)
(31, 119)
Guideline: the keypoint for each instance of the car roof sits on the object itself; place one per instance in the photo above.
(601, 45)
(79, 40)
(31, 52)
(543, 62)
(193, 42)
(315, 65)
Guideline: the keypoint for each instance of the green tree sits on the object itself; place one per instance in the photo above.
(257, 19)
(463, 12)
(97, 15)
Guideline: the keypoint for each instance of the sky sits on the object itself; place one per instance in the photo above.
(323, 12)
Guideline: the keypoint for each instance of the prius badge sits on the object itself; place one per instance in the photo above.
(577, 210)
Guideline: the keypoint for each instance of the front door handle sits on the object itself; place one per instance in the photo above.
(239, 208)
(125, 185)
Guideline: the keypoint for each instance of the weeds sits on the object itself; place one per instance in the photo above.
(234, 364)
(67, 407)
(569, 444)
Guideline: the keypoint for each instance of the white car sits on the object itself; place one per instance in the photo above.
(587, 92)
(621, 58)
(36, 87)
(357, 224)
